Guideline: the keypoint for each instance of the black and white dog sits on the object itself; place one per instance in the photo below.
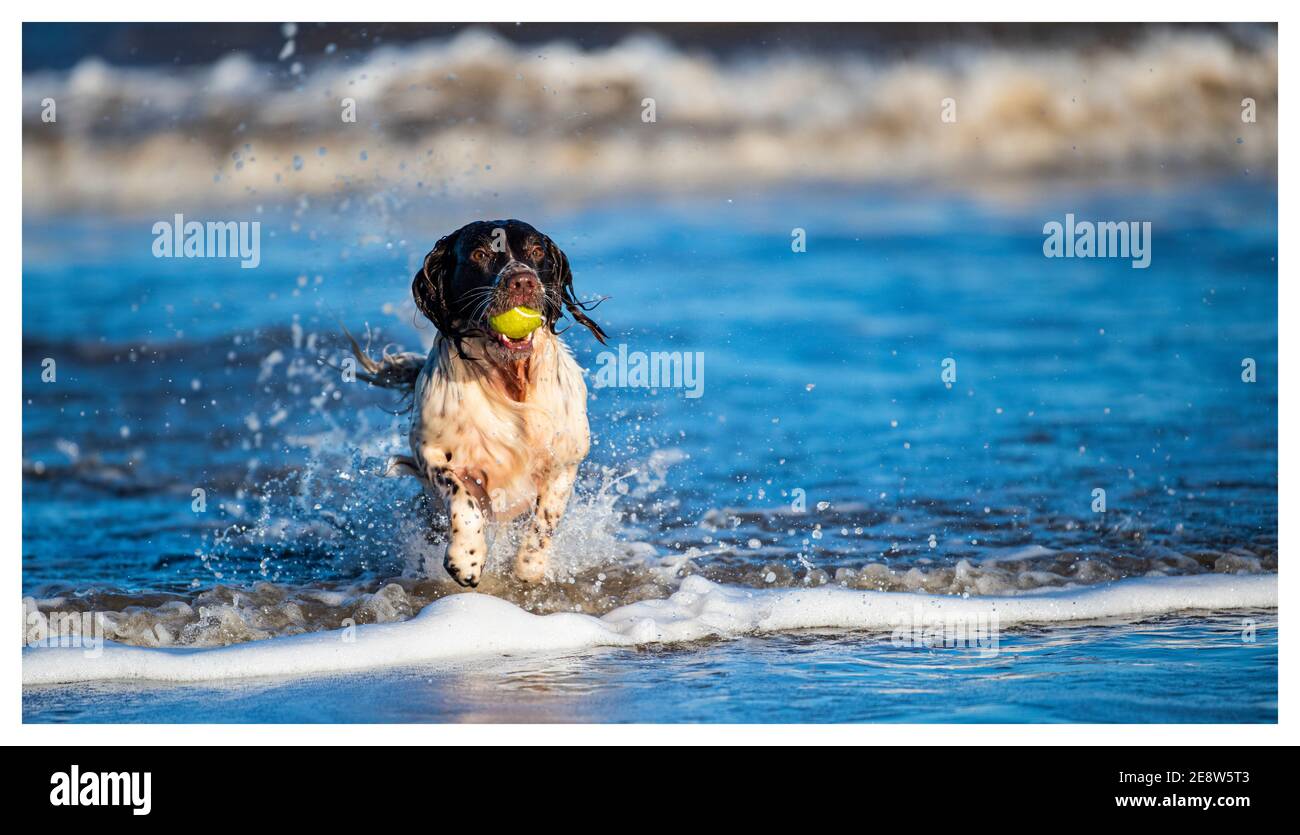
(500, 424)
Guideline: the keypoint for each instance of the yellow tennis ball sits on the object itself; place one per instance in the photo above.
(517, 322)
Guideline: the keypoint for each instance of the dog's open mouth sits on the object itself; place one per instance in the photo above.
(517, 345)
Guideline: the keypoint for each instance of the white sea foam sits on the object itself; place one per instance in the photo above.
(471, 625)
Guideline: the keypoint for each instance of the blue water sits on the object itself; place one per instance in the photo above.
(821, 375)
(1172, 669)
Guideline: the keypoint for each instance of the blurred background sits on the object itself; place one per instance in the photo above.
(155, 114)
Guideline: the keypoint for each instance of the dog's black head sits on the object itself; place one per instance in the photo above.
(488, 267)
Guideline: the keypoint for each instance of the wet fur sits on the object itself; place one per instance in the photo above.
(495, 439)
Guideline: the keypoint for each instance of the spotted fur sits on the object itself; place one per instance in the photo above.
(493, 458)
(499, 425)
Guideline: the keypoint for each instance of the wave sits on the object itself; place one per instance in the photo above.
(477, 115)
(594, 573)
(469, 626)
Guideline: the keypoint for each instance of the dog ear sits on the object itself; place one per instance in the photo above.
(429, 287)
(564, 280)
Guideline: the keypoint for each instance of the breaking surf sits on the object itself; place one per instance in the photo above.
(479, 625)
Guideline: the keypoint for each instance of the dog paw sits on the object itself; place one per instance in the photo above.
(465, 568)
(531, 568)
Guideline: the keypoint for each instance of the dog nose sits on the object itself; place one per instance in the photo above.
(521, 283)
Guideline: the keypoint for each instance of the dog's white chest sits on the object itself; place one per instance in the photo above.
(466, 424)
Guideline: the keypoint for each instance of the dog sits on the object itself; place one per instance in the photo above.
(499, 424)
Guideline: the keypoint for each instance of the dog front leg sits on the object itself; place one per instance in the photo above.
(467, 541)
(535, 549)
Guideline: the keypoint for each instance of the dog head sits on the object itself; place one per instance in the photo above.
(486, 268)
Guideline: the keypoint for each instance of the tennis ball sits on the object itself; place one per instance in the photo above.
(517, 322)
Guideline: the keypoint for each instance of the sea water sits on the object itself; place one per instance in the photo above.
(920, 404)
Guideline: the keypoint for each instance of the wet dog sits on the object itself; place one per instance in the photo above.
(500, 424)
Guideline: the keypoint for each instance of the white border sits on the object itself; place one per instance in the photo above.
(12, 731)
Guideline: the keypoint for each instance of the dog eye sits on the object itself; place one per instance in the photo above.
(479, 255)
(536, 252)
